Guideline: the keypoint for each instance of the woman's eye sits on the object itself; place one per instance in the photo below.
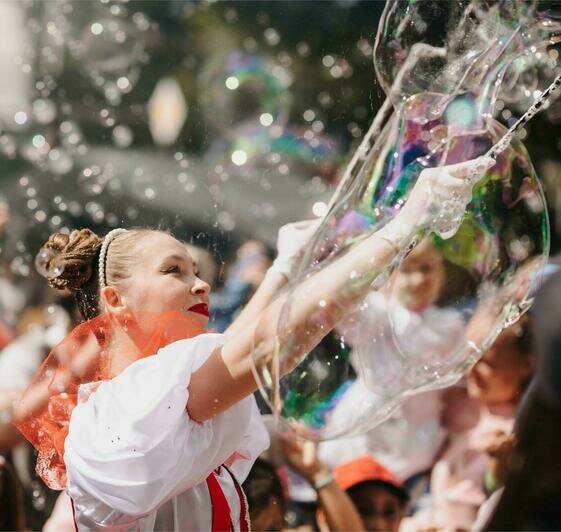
(171, 269)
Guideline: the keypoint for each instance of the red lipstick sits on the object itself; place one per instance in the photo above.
(200, 308)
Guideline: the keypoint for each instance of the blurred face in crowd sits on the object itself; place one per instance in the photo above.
(419, 280)
(252, 262)
(379, 507)
(501, 374)
(269, 518)
(459, 411)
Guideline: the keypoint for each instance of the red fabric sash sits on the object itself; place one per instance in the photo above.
(221, 517)
(244, 513)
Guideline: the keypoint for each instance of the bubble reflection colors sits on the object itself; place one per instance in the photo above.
(241, 88)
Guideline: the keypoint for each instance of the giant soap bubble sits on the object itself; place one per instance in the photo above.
(428, 318)
(481, 41)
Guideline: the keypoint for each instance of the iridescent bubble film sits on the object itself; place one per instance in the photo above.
(429, 316)
(242, 87)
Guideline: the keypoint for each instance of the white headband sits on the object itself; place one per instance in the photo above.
(109, 237)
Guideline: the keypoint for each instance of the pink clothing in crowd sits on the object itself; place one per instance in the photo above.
(457, 480)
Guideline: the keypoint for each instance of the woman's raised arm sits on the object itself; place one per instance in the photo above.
(324, 298)
(292, 239)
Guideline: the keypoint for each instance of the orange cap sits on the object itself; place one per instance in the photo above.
(363, 469)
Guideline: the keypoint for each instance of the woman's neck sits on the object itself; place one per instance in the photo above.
(122, 353)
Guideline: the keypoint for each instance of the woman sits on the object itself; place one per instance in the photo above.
(163, 442)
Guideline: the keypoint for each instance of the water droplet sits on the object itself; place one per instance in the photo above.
(48, 263)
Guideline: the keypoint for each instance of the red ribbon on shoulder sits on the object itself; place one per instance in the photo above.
(87, 356)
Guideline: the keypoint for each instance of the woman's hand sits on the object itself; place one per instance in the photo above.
(291, 244)
(444, 192)
(437, 202)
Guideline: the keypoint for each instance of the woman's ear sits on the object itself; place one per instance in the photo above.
(112, 300)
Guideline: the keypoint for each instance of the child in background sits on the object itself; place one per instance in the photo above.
(460, 480)
(376, 492)
(500, 377)
(403, 325)
(407, 443)
(265, 497)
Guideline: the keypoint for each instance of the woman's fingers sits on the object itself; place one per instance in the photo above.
(447, 180)
(465, 169)
(462, 170)
(447, 185)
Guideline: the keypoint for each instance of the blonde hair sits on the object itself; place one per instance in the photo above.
(77, 255)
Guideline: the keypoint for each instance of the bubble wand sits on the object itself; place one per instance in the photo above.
(445, 226)
(503, 143)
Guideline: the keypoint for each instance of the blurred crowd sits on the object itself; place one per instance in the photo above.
(482, 454)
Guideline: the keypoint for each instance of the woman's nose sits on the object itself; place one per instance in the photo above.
(200, 287)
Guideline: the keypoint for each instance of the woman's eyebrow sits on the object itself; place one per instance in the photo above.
(179, 258)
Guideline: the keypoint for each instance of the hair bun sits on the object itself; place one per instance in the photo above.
(75, 255)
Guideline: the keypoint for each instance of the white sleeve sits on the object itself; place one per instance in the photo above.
(132, 445)
(253, 442)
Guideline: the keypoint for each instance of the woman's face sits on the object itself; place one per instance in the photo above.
(164, 278)
(419, 280)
